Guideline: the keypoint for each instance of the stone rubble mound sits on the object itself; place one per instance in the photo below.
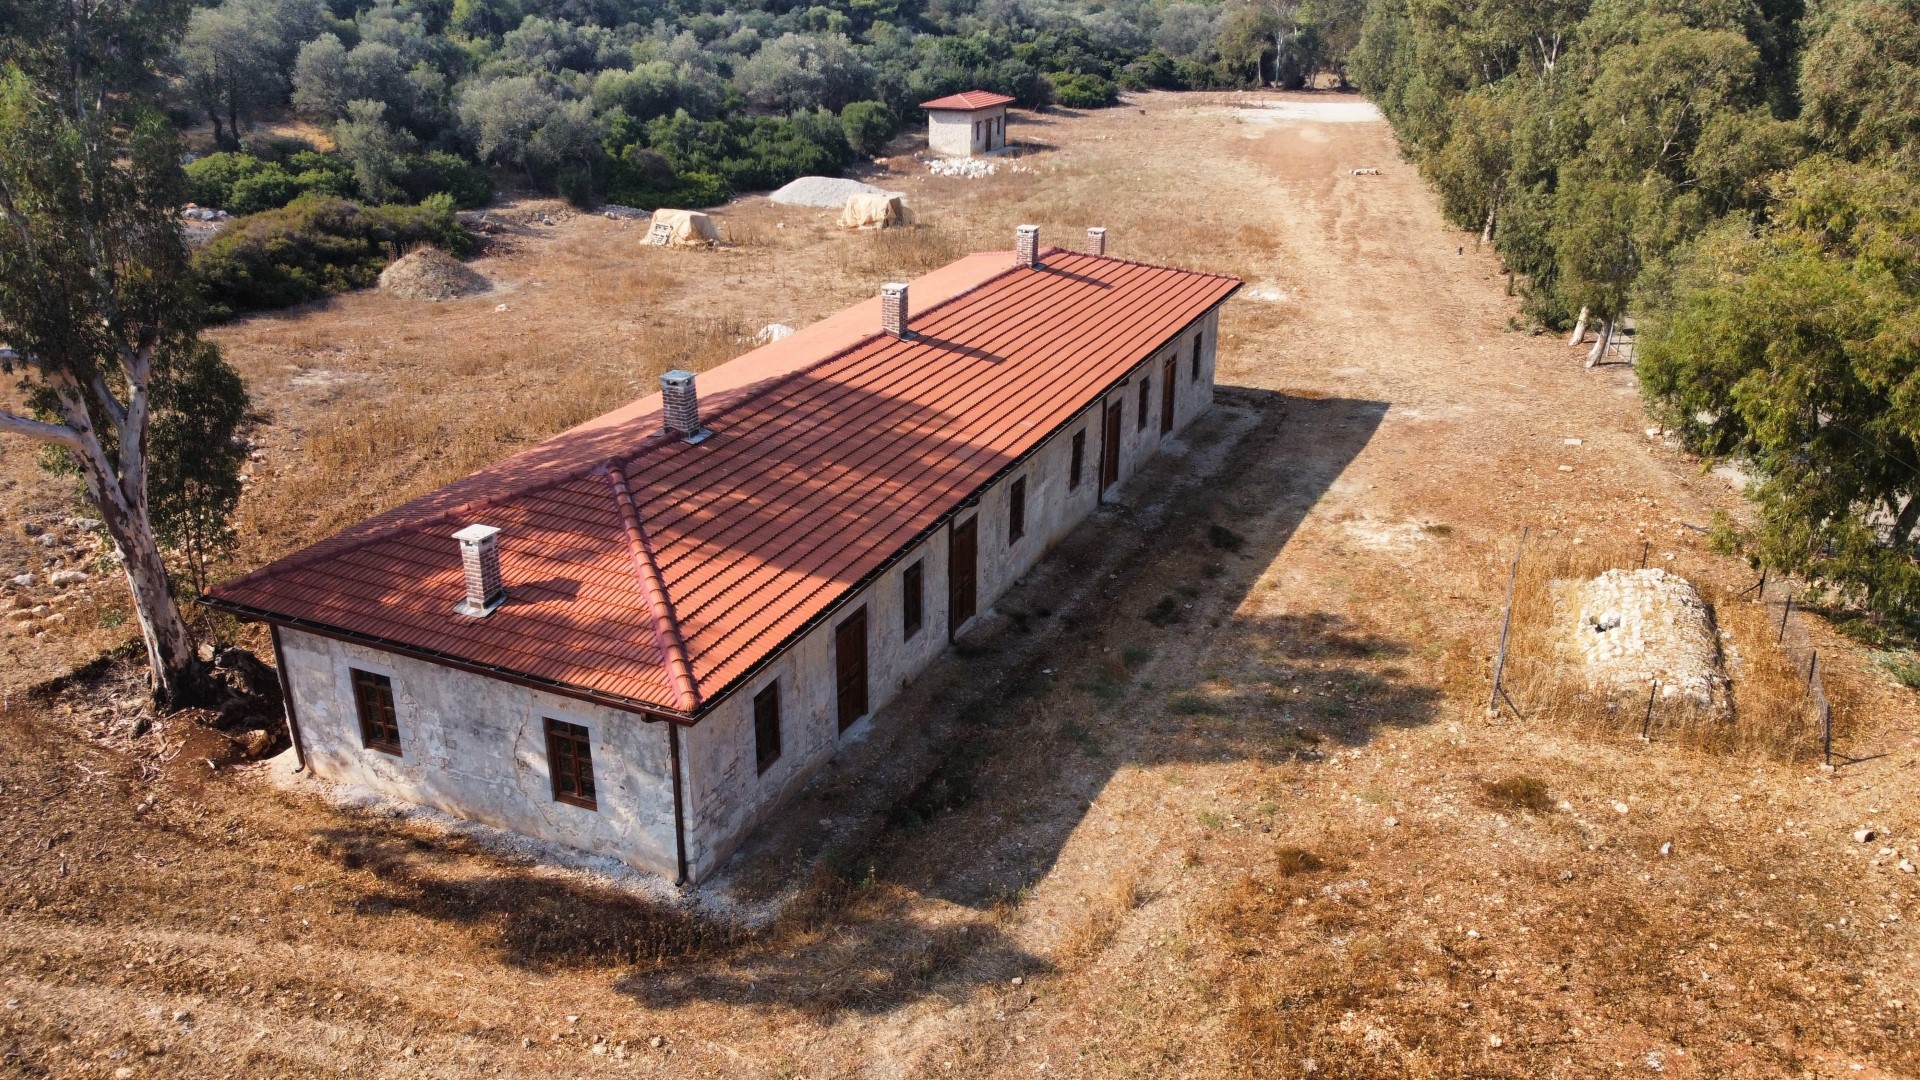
(1631, 629)
(427, 273)
(826, 191)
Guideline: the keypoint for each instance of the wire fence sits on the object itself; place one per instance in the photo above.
(1794, 703)
(1778, 597)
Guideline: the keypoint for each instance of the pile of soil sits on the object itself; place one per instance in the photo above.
(428, 273)
(1632, 628)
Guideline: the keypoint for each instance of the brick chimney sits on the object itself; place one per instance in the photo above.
(893, 310)
(480, 559)
(1026, 245)
(680, 406)
(1096, 241)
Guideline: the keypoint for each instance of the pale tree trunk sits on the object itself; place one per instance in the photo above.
(1579, 329)
(116, 484)
(170, 651)
(1600, 342)
(1486, 231)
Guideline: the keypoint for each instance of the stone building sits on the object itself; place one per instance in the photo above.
(639, 636)
(963, 125)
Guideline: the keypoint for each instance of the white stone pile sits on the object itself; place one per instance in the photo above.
(964, 168)
(1631, 629)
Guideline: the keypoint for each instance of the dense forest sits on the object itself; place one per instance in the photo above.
(653, 102)
(1737, 179)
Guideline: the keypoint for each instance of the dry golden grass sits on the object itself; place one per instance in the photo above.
(1772, 715)
(1204, 893)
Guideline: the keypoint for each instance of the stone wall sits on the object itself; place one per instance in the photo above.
(476, 748)
(727, 795)
(951, 133)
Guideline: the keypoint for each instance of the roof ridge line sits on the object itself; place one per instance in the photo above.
(321, 551)
(754, 391)
(666, 626)
(1151, 266)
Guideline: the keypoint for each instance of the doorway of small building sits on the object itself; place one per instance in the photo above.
(963, 573)
(850, 667)
(1166, 394)
(1110, 447)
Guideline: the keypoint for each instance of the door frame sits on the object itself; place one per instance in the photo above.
(954, 526)
(858, 615)
(1112, 430)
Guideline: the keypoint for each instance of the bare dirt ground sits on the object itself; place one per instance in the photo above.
(1216, 793)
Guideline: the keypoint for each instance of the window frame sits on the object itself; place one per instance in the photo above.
(577, 742)
(1016, 510)
(1077, 459)
(1146, 398)
(371, 731)
(1196, 353)
(913, 598)
(766, 729)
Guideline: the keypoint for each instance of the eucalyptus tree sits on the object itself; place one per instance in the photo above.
(97, 300)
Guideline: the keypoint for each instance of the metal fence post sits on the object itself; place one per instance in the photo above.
(1506, 624)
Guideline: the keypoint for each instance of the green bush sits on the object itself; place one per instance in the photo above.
(1077, 91)
(868, 126)
(244, 184)
(440, 172)
(316, 246)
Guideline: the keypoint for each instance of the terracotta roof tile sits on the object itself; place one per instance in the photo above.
(657, 574)
(968, 101)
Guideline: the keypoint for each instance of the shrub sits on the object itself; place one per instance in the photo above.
(244, 184)
(868, 126)
(1519, 793)
(1289, 861)
(1077, 91)
(439, 172)
(314, 247)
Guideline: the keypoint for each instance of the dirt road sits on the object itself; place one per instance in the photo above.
(1216, 795)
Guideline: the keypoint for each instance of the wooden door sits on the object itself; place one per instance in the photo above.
(963, 573)
(850, 663)
(1110, 447)
(1166, 394)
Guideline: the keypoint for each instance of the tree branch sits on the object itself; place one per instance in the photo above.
(38, 431)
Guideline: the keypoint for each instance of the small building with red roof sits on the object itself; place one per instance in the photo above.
(641, 635)
(965, 124)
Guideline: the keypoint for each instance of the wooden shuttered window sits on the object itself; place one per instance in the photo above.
(913, 599)
(570, 762)
(766, 726)
(379, 723)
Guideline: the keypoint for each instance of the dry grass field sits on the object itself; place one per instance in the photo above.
(1215, 793)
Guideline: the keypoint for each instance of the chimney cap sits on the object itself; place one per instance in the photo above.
(677, 375)
(475, 533)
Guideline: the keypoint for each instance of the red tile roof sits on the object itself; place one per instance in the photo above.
(647, 573)
(968, 101)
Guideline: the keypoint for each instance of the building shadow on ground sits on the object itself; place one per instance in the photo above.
(971, 783)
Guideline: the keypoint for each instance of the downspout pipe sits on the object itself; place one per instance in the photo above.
(679, 808)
